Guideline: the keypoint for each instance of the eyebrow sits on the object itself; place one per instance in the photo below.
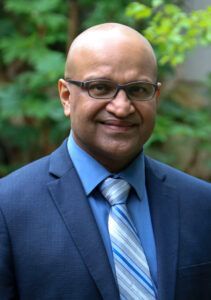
(145, 79)
(98, 78)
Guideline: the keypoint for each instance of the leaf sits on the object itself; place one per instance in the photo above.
(138, 11)
(156, 3)
(36, 6)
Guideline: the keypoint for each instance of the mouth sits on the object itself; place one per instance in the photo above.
(119, 125)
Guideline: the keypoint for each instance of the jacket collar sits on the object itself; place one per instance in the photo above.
(70, 200)
(69, 197)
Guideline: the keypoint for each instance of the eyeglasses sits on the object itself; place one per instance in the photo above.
(107, 89)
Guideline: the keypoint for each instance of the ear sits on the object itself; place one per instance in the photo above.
(64, 94)
(158, 93)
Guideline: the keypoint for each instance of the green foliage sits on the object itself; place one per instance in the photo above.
(32, 61)
(172, 31)
(174, 119)
(34, 37)
(102, 11)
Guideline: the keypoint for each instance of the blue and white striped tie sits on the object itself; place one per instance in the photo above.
(131, 266)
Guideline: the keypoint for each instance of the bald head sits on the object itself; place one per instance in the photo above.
(114, 129)
(109, 36)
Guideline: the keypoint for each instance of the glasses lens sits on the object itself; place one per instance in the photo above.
(140, 91)
(101, 89)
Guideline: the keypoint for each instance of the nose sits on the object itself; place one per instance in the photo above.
(120, 106)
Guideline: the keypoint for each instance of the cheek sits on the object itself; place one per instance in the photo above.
(77, 109)
(83, 114)
(147, 112)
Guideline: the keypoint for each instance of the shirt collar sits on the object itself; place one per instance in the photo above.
(91, 172)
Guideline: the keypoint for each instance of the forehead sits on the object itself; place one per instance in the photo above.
(113, 55)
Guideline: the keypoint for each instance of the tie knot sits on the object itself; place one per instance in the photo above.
(115, 190)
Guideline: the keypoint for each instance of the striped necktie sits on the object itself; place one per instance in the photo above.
(131, 266)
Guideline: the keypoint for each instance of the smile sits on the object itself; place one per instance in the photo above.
(118, 125)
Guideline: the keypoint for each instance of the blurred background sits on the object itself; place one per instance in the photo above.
(34, 39)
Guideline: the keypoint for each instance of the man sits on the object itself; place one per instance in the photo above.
(56, 238)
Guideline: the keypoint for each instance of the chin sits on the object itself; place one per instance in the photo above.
(126, 148)
(122, 153)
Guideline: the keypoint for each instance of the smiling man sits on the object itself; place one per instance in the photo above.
(97, 219)
(108, 125)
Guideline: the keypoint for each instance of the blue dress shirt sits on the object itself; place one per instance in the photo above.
(92, 173)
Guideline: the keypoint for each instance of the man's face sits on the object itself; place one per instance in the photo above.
(114, 131)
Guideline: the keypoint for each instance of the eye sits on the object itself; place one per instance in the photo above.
(137, 89)
(100, 88)
(140, 90)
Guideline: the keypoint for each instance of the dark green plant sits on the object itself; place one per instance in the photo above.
(34, 38)
(173, 34)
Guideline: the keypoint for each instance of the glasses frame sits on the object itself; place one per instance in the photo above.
(85, 85)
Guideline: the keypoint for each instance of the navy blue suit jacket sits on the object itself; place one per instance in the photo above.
(50, 246)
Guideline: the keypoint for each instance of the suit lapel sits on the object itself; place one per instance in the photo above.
(72, 204)
(165, 219)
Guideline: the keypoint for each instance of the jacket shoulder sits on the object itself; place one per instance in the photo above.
(33, 177)
(175, 177)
